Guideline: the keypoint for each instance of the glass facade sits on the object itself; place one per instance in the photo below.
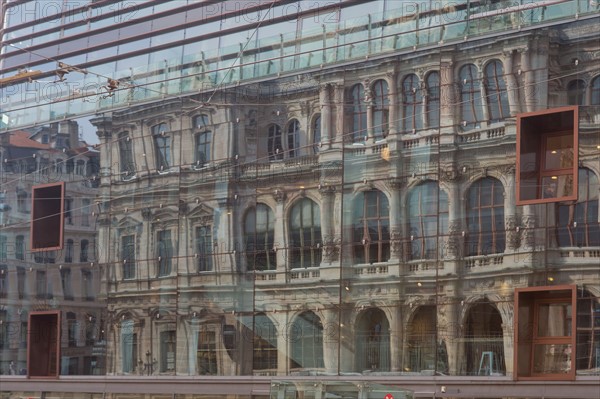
(352, 213)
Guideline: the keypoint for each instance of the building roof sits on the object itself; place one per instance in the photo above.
(21, 139)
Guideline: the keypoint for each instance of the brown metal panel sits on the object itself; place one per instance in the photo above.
(540, 156)
(43, 344)
(47, 217)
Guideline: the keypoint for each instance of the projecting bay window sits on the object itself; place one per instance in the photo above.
(545, 333)
(547, 156)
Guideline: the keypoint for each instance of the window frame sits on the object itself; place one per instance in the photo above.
(381, 109)
(362, 224)
(432, 100)
(470, 97)
(480, 233)
(128, 256)
(275, 142)
(358, 113)
(164, 263)
(204, 259)
(412, 103)
(126, 158)
(441, 197)
(496, 91)
(162, 146)
(293, 138)
(262, 241)
(304, 250)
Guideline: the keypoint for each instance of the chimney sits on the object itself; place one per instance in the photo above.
(70, 129)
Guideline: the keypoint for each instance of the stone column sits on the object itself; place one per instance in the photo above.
(483, 92)
(393, 100)
(327, 233)
(455, 227)
(506, 308)
(279, 240)
(529, 89)
(395, 185)
(511, 83)
(331, 334)
(338, 136)
(370, 107)
(396, 336)
(325, 100)
(447, 96)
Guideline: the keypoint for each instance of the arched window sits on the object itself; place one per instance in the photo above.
(495, 88)
(577, 224)
(305, 234)
(576, 92)
(381, 109)
(306, 333)
(432, 83)
(293, 135)
(316, 134)
(485, 218)
(127, 166)
(359, 113)
(275, 143)
(371, 228)
(164, 254)
(259, 230)
(162, 146)
(412, 100)
(471, 109)
(200, 122)
(428, 220)
(596, 91)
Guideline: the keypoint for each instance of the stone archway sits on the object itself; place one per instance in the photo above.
(484, 342)
(372, 341)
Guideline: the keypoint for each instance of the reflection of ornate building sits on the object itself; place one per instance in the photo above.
(327, 218)
(66, 279)
(359, 219)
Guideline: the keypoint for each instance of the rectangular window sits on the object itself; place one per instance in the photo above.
(547, 156)
(3, 329)
(21, 278)
(40, 284)
(87, 285)
(65, 279)
(162, 146)
(85, 212)
(3, 248)
(207, 352)
(3, 281)
(69, 211)
(167, 351)
(204, 248)
(545, 333)
(20, 248)
(128, 256)
(165, 252)
(83, 254)
(128, 347)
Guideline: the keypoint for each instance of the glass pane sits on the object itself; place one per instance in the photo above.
(554, 320)
(552, 359)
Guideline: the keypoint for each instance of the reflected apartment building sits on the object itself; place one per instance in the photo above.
(317, 193)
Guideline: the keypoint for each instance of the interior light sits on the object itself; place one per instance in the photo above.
(554, 177)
